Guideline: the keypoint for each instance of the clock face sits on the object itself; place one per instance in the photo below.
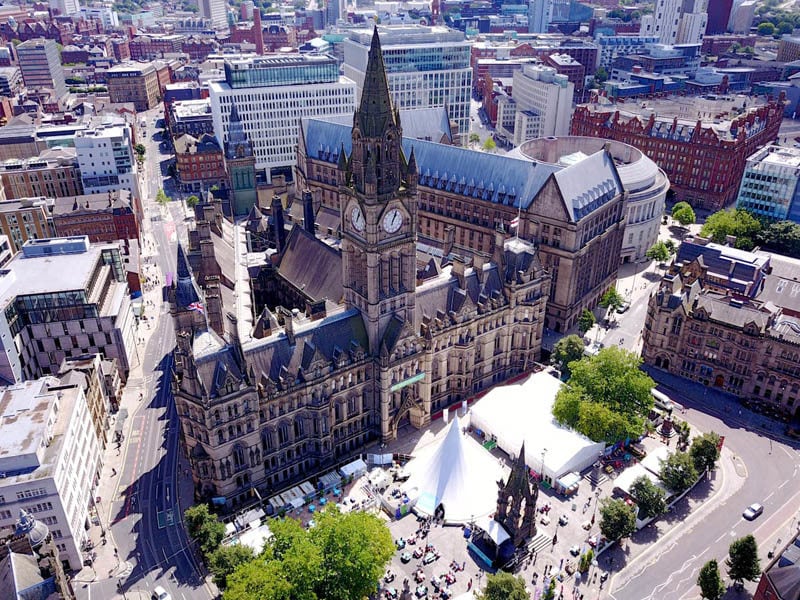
(392, 221)
(357, 219)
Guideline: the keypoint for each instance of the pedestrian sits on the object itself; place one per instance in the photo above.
(469, 585)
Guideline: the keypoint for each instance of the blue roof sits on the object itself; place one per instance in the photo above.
(493, 177)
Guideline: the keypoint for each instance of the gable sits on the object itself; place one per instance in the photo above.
(550, 203)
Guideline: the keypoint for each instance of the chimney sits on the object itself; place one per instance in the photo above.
(458, 271)
(258, 31)
(214, 305)
(478, 260)
(499, 246)
(449, 239)
(308, 212)
(288, 324)
(278, 228)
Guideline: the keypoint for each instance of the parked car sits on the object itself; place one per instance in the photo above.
(753, 511)
(563, 520)
(405, 557)
(159, 593)
(624, 308)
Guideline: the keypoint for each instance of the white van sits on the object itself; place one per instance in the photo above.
(662, 401)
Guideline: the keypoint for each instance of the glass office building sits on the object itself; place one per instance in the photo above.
(427, 67)
(281, 70)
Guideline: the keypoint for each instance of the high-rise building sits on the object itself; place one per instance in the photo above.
(540, 13)
(676, 21)
(216, 11)
(742, 16)
(40, 63)
(427, 67)
(106, 161)
(770, 184)
(719, 13)
(272, 94)
(540, 106)
(50, 458)
(66, 8)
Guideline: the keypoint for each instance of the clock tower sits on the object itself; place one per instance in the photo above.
(378, 206)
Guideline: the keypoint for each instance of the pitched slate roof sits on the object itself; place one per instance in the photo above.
(185, 292)
(786, 581)
(588, 184)
(312, 266)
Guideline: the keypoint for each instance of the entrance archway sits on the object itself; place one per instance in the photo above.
(719, 381)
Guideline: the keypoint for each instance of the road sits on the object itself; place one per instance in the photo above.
(145, 512)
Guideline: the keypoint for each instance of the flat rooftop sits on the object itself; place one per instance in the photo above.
(782, 156)
(184, 109)
(24, 411)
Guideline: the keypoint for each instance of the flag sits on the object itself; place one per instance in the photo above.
(198, 306)
(514, 222)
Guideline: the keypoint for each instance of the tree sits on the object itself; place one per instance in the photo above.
(785, 27)
(782, 237)
(474, 138)
(617, 519)
(705, 451)
(140, 150)
(339, 559)
(504, 586)
(550, 592)
(742, 562)
(683, 213)
(658, 252)
(586, 321)
(735, 222)
(192, 201)
(161, 198)
(607, 396)
(612, 299)
(601, 75)
(489, 145)
(711, 586)
(684, 431)
(678, 472)
(224, 560)
(567, 350)
(649, 497)
(766, 28)
(203, 527)
(671, 247)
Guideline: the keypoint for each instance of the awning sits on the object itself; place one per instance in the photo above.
(568, 480)
(354, 469)
(329, 480)
(496, 532)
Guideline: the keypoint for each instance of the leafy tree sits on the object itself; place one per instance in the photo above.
(683, 213)
(658, 252)
(671, 247)
(678, 472)
(785, 27)
(339, 559)
(782, 237)
(140, 150)
(224, 560)
(612, 299)
(550, 592)
(607, 396)
(161, 198)
(766, 28)
(649, 497)
(586, 321)
(734, 222)
(489, 144)
(742, 562)
(711, 586)
(684, 431)
(203, 527)
(705, 451)
(192, 201)
(617, 519)
(601, 75)
(504, 586)
(474, 138)
(567, 350)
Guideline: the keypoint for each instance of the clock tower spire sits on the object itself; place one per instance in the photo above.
(378, 204)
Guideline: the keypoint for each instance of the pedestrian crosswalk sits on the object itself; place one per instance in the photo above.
(540, 542)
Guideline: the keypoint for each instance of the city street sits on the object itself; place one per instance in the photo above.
(144, 514)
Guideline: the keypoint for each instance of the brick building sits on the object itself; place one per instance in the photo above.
(199, 162)
(729, 319)
(148, 47)
(25, 219)
(716, 45)
(101, 217)
(140, 83)
(703, 158)
(54, 173)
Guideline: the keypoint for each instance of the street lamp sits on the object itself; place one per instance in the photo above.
(544, 451)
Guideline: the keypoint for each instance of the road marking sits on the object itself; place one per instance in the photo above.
(720, 537)
(771, 494)
(789, 454)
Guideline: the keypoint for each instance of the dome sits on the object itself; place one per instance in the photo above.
(36, 531)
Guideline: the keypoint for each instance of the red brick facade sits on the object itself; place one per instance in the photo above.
(703, 169)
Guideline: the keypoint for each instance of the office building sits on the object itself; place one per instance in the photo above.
(742, 16)
(719, 14)
(540, 13)
(103, 217)
(728, 319)
(426, 67)
(10, 81)
(540, 105)
(193, 117)
(216, 11)
(199, 163)
(40, 63)
(66, 8)
(26, 219)
(769, 185)
(105, 14)
(359, 355)
(50, 459)
(676, 21)
(789, 49)
(612, 47)
(54, 173)
(106, 160)
(271, 94)
(134, 82)
(64, 297)
(704, 158)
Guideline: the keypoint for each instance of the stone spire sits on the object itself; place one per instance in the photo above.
(375, 112)
(237, 145)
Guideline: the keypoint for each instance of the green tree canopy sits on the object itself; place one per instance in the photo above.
(658, 252)
(612, 299)
(161, 198)
(504, 586)
(683, 213)
(474, 138)
(742, 562)
(607, 396)
(203, 527)
(339, 559)
(678, 472)
(192, 201)
(734, 222)
(617, 519)
(785, 27)
(649, 497)
(705, 451)
(671, 247)
(567, 350)
(140, 150)
(224, 560)
(782, 237)
(586, 321)
(710, 582)
(766, 28)
(489, 144)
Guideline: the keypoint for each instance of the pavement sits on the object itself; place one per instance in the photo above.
(139, 541)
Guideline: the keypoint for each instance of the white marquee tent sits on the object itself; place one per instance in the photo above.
(457, 473)
(522, 412)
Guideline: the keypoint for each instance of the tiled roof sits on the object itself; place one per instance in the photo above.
(588, 184)
(312, 266)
